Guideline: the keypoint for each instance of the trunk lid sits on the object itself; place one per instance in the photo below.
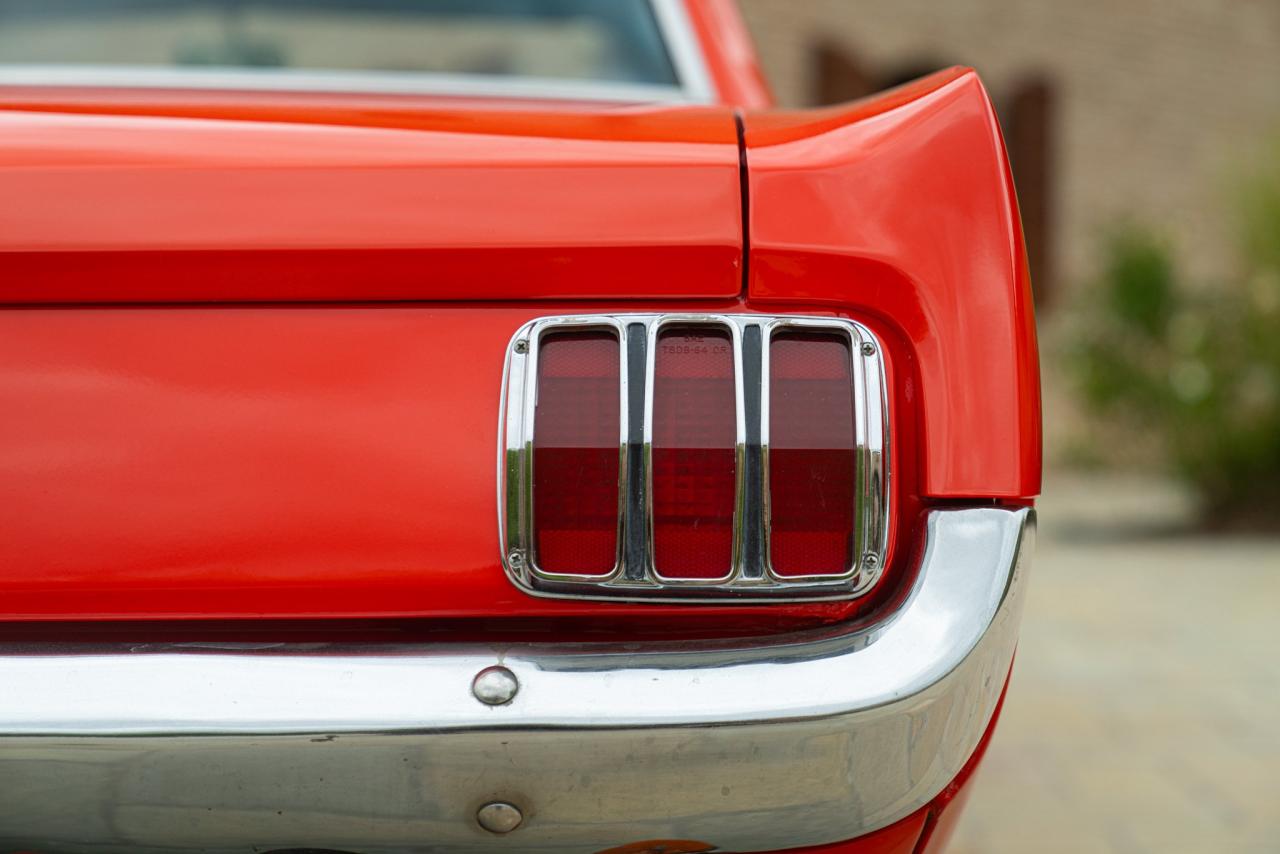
(119, 196)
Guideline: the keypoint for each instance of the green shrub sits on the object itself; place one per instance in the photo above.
(1196, 370)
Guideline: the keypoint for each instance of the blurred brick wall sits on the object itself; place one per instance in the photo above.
(1156, 102)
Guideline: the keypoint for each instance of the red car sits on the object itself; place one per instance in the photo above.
(442, 426)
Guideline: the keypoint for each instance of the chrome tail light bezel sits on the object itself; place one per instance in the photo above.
(634, 576)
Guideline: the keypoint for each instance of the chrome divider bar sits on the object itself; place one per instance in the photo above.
(753, 522)
(635, 526)
(875, 474)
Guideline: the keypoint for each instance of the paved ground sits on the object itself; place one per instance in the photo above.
(1144, 713)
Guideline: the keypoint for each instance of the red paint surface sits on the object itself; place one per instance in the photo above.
(128, 197)
(272, 461)
(338, 461)
(902, 207)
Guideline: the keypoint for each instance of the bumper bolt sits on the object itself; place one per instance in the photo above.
(495, 686)
(499, 817)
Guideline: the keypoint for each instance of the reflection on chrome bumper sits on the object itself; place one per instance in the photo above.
(750, 747)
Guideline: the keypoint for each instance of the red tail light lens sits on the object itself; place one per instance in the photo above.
(812, 454)
(693, 457)
(576, 439)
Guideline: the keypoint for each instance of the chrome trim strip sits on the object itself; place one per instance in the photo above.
(341, 82)
(685, 51)
(636, 577)
(748, 745)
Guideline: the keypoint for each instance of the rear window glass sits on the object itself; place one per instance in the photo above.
(606, 40)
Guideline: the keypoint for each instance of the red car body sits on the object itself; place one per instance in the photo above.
(251, 342)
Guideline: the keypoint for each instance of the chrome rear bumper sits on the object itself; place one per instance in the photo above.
(790, 742)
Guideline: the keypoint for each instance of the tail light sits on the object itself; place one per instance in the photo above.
(812, 442)
(576, 459)
(702, 457)
(693, 445)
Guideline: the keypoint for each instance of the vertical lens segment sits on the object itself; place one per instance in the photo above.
(576, 453)
(693, 452)
(812, 462)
